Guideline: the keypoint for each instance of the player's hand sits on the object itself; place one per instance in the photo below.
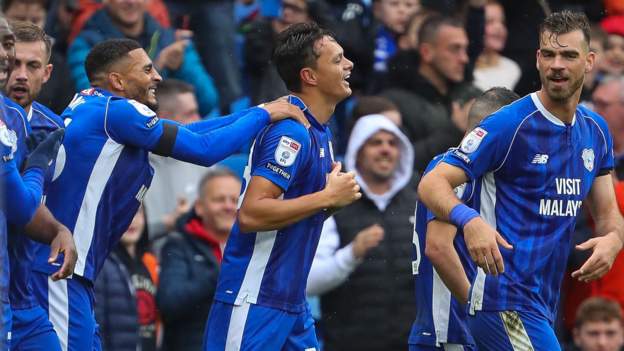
(604, 251)
(63, 243)
(281, 109)
(482, 242)
(341, 188)
(367, 239)
(172, 56)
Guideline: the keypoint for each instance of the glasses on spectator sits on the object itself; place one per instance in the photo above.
(293, 7)
(603, 105)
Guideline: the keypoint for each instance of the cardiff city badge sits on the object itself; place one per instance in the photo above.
(588, 159)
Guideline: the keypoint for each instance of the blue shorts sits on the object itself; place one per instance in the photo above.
(32, 331)
(5, 325)
(69, 304)
(254, 327)
(444, 347)
(512, 330)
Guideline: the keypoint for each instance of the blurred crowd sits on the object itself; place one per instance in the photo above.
(419, 64)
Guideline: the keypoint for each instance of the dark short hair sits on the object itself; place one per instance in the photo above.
(106, 53)
(430, 27)
(27, 32)
(565, 21)
(6, 4)
(370, 105)
(489, 102)
(212, 173)
(170, 87)
(295, 50)
(597, 309)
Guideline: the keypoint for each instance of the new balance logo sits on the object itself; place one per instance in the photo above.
(141, 194)
(540, 159)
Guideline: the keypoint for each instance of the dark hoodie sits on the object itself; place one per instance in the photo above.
(188, 278)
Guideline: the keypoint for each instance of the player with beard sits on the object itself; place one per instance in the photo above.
(103, 171)
(31, 71)
(536, 160)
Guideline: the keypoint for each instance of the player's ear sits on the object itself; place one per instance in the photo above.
(47, 72)
(308, 76)
(589, 61)
(116, 81)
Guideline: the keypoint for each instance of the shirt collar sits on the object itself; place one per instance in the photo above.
(295, 100)
(96, 92)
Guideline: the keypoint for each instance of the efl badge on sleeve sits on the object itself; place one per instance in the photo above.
(588, 159)
(472, 141)
(287, 151)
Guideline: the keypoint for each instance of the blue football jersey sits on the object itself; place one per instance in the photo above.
(102, 170)
(41, 120)
(271, 268)
(440, 318)
(535, 171)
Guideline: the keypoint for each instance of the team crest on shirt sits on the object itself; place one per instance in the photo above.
(142, 109)
(588, 159)
(472, 141)
(287, 151)
(9, 139)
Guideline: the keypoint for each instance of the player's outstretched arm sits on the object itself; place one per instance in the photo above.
(442, 254)
(262, 209)
(436, 192)
(131, 123)
(609, 229)
(278, 109)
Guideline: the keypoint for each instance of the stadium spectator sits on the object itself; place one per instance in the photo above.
(599, 325)
(425, 91)
(393, 17)
(493, 69)
(614, 53)
(125, 291)
(264, 81)
(608, 101)
(212, 21)
(174, 186)
(34, 11)
(191, 259)
(173, 53)
(59, 87)
(375, 105)
(363, 257)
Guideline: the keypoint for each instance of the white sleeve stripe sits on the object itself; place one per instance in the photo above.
(604, 138)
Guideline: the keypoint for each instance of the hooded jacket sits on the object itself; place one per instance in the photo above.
(368, 304)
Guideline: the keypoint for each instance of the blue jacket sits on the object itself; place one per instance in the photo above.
(153, 39)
